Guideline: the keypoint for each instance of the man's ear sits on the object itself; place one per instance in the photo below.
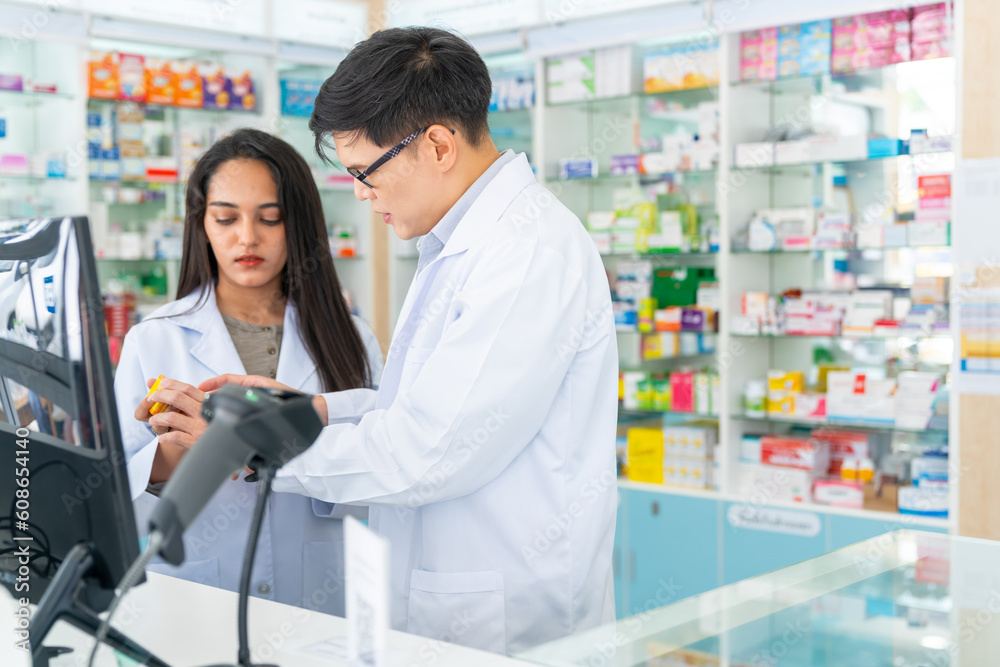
(445, 147)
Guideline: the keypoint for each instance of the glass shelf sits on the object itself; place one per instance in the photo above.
(838, 424)
(705, 93)
(169, 107)
(620, 178)
(796, 251)
(666, 414)
(27, 178)
(141, 260)
(860, 339)
(138, 183)
(666, 256)
(798, 166)
(31, 98)
(853, 77)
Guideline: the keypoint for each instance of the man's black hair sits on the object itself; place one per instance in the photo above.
(399, 81)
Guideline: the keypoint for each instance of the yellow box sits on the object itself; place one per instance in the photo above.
(786, 381)
(645, 455)
(781, 403)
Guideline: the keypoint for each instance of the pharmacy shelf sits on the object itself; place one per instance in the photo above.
(896, 518)
(167, 107)
(692, 95)
(795, 83)
(669, 489)
(23, 95)
(797, 166)
(27, 178)
(622, 178)
(866, 426)
(137, 183)
(139, 260)
(859, 339)
(797, 251)
(670, 414)
(665, 256)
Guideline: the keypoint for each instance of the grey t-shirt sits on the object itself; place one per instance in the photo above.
(258, 346)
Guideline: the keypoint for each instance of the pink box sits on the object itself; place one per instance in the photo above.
(11, 82)
(929, 22)
(682, 392)
(938, 48)
(759, 55)
(880, 30)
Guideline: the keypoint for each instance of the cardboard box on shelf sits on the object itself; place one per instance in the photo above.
(773, 483)
(786, 381)
(839, 493)
(759, 55)
(842, 445)
(800, 453)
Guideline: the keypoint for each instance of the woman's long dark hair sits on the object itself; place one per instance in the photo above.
(309, 281)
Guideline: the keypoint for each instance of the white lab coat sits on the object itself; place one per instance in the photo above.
(300, 553)
(488, 455)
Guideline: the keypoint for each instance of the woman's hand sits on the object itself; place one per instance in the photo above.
(177, 428)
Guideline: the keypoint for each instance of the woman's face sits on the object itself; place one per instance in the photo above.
(244, 225)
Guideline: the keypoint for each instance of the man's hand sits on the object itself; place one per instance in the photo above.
(319, 403)
(212, 384)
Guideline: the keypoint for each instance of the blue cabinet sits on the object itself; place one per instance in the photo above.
(673, 548)
(846, 530)
(758, 539)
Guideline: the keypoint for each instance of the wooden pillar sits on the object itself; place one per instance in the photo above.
(978, 26)
(380, 259)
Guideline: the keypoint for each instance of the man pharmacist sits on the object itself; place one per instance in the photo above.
(487, 454)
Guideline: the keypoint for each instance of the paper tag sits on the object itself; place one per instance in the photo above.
(367, 602)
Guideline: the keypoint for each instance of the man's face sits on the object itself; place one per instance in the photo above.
(403, 189)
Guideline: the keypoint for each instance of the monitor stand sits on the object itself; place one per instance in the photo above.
(60, 602)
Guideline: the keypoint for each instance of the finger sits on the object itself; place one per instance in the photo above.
(177, 439)
(178, 399)
(212, 384)
(179, 421)
(142, 410)
(150, 382)
(189, 389)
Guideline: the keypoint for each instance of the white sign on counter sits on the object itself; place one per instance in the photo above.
(773, 520)
(366, 561)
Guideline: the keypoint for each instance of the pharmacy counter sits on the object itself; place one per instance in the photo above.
(188, 624)
(904, 599)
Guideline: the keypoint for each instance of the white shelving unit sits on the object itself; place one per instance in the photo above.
(747, 110)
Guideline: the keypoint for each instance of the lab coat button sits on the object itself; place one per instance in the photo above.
(263, 589)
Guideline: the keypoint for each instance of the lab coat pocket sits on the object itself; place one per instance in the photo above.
(416, 357)
(465, 608)
(199, 571)
(323, 577)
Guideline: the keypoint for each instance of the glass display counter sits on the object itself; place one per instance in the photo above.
(904, 599)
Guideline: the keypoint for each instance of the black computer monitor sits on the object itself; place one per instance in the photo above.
(67, 529)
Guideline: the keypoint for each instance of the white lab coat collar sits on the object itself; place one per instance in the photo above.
(215, 348)
(490, 205)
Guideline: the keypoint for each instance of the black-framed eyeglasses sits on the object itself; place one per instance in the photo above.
(389, 154)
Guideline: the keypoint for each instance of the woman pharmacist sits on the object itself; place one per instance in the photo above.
(487, 455)
(255, 260)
